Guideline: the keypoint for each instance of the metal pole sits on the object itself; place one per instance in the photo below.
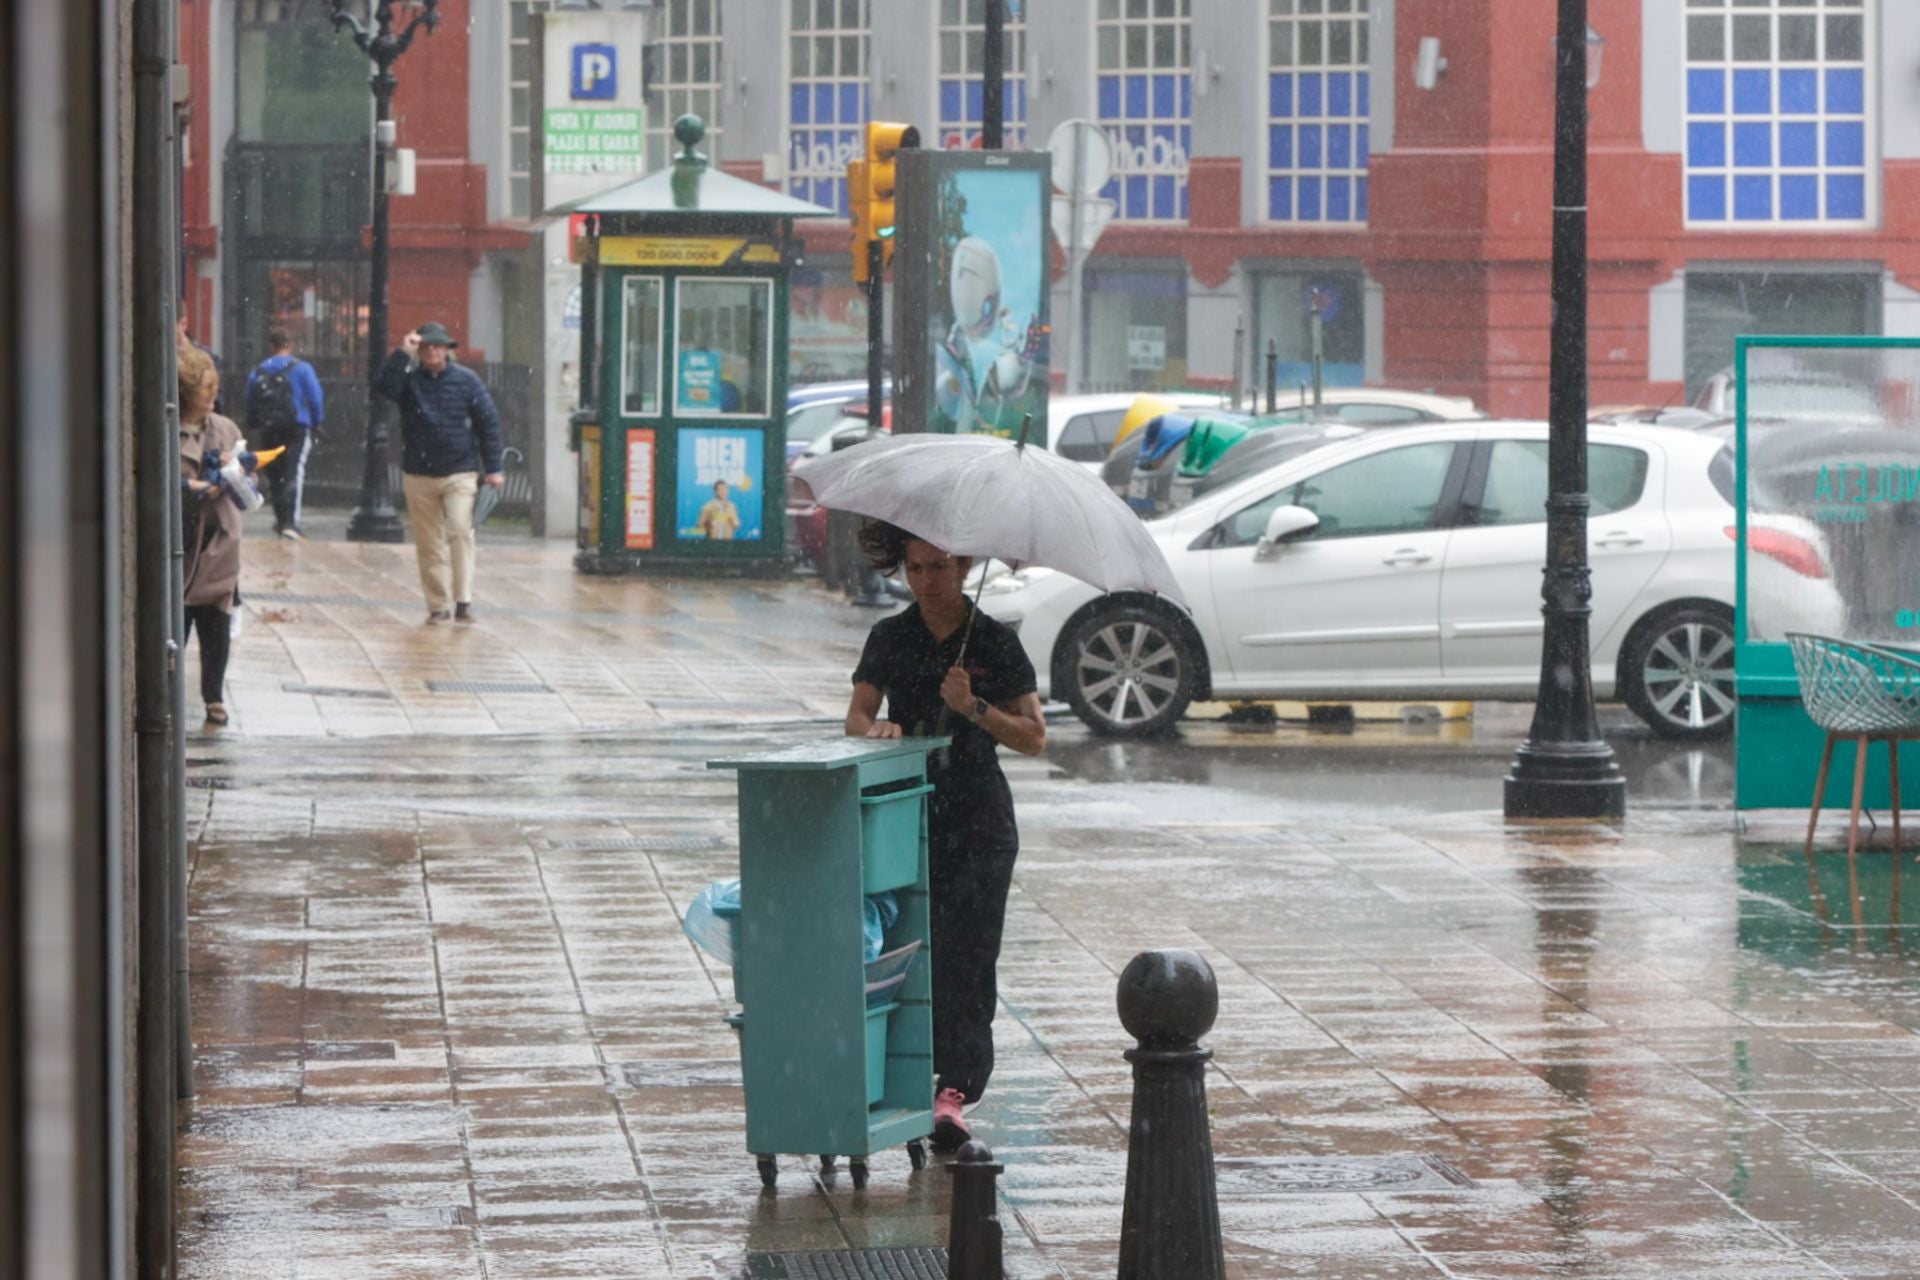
(1076, 267)
(1565, 769)
(1273, 374)
(876, 331)
(1239, 346)
(1317, 335)
(993, 75)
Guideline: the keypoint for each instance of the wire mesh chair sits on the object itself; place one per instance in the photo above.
(1865, 693)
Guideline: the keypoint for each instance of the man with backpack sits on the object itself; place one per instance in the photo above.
(285, 406)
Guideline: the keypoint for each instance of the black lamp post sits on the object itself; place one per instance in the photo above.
(1565, 769)
(374, 520)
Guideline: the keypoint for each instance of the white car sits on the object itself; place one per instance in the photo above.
(1406, 563)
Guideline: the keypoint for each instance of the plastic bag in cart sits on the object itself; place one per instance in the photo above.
(713, 922)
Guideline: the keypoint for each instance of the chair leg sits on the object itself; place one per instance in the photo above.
(1859, 794)
(1893, 786)
(1819, 791)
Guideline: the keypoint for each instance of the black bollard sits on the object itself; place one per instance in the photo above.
(973, 1229)
(1170, 1227)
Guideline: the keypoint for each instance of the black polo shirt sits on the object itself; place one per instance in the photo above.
(971, 800)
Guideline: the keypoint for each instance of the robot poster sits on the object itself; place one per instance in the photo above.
(974, 322)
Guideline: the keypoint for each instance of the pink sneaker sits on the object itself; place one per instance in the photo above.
(949, 1122)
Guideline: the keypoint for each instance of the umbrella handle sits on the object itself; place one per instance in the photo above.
(940, 724)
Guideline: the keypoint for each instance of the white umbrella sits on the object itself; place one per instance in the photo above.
(985, 497)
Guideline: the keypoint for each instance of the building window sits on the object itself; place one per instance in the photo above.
(826, 97)
(520, 104)
(686, 77)
(1136, 319)
(1145, 100)
(1318, 103)
(1778, 130)
(1786, 299)
(963, 45)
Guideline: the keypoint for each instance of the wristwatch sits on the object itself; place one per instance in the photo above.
(980, 708)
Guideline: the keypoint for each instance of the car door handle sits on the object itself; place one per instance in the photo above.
(1407, 555)
(1618, 538)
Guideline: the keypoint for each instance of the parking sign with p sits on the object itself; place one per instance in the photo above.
(595, 73)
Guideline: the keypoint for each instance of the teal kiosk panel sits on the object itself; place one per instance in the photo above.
(1828, 508)
(822, 825)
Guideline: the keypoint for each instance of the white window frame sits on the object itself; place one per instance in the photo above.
(1773, 118)
(802, 176)
(1113, 15)
(674, 95)
(659, 350)
(962, 133)
(772, 411)
(1359, 14)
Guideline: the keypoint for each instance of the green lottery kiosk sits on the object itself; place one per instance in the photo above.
(683, 352)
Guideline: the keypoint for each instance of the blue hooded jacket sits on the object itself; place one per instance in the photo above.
(442, 418)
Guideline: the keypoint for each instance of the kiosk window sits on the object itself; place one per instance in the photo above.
(640, 380)
(723, 335)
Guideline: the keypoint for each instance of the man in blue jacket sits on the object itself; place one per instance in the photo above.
(285, 406)
(449, 443)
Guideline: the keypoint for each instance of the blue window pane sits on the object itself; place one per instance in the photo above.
(1340, 94)
(1800, 197)
(1111, 191)
(1847, 197)
(1166, 143)
(1800, 145)
(1846, 145)
(822, 192)
(1753, 145)
(1165, 202)
(1310, 83)
(1309, 203)
(1752, 93)
(1186, 142)
(823, 103)
(950, 101)
(1280, 147)
(976, 101)
(1137, 196)
(1707, 199)
(1186, 97)
(1363, 147)
(1752, 199)
(1707, 145)
(1799, 93)
(797, 104)
(1706, 92)
(1339, 146)
(1109, 97)
(1340, 199)
(1137, 97)
(1280, 199)
(1846, 92)
(1310, 150)
(1360, 200)
(1280, 95)
(1363, 95)
(1165, 97)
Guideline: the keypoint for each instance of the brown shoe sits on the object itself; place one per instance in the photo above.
(463, 613)
(438, 616)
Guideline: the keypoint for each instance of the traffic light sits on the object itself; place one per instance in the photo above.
(870, 191)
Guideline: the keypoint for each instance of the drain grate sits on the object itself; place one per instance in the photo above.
(487, 686)
(1306, 1175)
(336, 691)
(651, 844)
(849, 1264)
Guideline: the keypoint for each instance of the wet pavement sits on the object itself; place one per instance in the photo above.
(447, 1024)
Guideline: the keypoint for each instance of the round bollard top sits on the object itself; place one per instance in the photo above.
(1168, 998)
(974, 1153)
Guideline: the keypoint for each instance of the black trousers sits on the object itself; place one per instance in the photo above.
(214, 627)
(969, 912)
(286, 475)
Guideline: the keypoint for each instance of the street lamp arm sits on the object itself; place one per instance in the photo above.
(430, 20)
(344, 21)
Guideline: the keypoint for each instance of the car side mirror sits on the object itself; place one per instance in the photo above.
(1286, 524)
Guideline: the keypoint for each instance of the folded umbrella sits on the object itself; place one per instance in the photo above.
(986, 497)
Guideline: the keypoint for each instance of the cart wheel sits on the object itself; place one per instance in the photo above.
(859, 1170)
(917, 1153)
(769, 1171)
(826, 1165)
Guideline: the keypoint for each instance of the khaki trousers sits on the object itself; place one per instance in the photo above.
(441, 508)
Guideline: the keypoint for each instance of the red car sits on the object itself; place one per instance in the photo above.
(806, 519)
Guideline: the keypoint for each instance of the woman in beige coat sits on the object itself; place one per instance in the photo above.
(213, 525)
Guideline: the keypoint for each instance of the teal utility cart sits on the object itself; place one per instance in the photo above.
(827, 1072)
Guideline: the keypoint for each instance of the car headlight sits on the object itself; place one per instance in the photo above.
(1013, 580)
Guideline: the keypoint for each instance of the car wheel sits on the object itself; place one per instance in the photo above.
(1129, 672)
(1677, 673)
